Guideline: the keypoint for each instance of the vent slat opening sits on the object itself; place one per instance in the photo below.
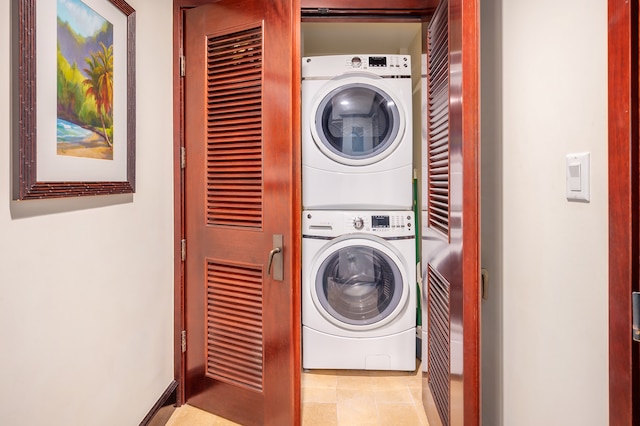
(437, 196)
(234, 129)
(234, 347)
(439, 341)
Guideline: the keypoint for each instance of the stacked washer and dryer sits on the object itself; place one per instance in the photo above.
(358, 229)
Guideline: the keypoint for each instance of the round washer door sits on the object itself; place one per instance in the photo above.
(359, 283)
(356, 120)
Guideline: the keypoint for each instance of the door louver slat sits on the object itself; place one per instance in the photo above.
(234, 129)
(439, 342)
(233, 50)
(438, 207)
(234, 324)
(438, 122)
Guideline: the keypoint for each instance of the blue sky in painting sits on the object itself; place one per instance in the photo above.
(84, 20)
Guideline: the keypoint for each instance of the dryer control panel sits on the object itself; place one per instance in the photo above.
(333, 65)
(393, 61)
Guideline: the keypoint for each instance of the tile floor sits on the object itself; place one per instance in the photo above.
(337, 397)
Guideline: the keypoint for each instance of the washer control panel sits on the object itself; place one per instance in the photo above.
(382, 222)
(333, 223)
(358, 223)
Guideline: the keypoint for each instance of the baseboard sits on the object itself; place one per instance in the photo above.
(168, 397)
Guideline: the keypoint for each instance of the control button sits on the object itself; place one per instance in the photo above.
(358, 223)
(356, 62)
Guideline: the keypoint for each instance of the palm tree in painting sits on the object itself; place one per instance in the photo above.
(100, 83)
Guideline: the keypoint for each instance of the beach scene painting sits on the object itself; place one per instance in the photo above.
(85, 82)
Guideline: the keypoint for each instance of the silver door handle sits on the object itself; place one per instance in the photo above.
(276, 261)
(271, 254)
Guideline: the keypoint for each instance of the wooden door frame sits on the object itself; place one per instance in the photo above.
(179, 6)
(624, 236)
(467, 17)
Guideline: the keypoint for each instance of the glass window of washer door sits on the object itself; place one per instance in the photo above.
(359, 285)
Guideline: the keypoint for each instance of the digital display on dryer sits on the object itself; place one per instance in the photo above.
(377, 61)
(379, 221)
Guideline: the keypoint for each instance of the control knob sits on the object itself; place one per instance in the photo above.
(358, 223)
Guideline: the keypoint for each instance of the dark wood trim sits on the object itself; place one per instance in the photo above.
(296, 222)
(465, 18)
(368, 16)
(367, 10)
(178, 190)
(624, 375)
(364, 5)
(168, 397)
(178, 202)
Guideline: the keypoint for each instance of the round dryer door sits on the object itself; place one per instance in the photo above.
(357, 123)
(359, 284)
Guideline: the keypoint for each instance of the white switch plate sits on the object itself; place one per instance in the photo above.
(578, 177)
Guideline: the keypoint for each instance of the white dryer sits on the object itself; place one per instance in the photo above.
(358, 290)
(357, 132)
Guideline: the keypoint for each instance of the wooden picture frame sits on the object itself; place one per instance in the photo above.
(39, 170)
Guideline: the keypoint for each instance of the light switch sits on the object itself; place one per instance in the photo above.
(574, 177)
(578, 177)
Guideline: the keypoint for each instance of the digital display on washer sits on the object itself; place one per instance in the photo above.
(379, 221)
(377, 61)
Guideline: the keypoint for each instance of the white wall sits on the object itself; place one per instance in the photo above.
(86, 285)
(554, 102)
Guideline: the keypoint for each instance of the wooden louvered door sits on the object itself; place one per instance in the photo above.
(241, 141)
(450, 239)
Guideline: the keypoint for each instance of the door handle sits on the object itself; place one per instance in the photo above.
(276, 260)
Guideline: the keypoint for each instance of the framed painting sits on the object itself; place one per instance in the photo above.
(74, 98)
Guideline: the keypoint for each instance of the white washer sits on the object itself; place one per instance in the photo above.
(358, 290)
(357, 143)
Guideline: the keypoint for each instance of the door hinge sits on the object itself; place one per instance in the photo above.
(183, 66)
(183, 340)
(183, 250)
(183, 157)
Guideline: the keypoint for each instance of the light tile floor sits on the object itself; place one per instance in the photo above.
(343, 398)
